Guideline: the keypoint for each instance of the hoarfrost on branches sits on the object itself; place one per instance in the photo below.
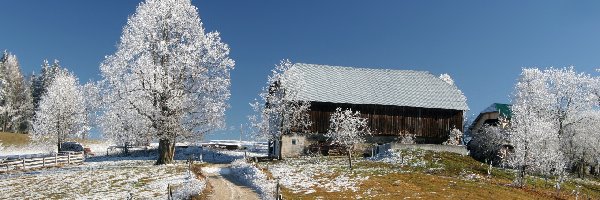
(446, 78)
(574, 101)
(454, 137)
(546, 106)
(553, 122)
(40, 83)
(407, 138)
(16, 99)
(278, 111)
(92, 103)
(347, 129)
(490, 143)
(172, 75)
(61, 112)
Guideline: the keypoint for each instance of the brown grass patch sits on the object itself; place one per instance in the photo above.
(22, 139)
(14, 139)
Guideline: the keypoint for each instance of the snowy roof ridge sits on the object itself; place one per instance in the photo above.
(353, 85)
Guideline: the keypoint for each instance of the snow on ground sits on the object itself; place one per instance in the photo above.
(112, 180)
(106, 177)
(31, 149)
(253, 177)
(98, 148)
(411, 158)
(304, 175)
(119, 176)
(246, 173)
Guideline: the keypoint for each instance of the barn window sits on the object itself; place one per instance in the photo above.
(293, 141)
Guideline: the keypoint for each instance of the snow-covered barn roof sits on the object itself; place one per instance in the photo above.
(352, 85)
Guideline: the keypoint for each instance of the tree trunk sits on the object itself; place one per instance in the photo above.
(521, 179)
(581, 169)
(59, 143)
(350, 159)
(280, 143)
(5, 122)
(166, 148)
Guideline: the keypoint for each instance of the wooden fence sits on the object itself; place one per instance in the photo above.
(60, 159)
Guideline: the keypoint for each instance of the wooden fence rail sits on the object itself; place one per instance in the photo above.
(60, 159)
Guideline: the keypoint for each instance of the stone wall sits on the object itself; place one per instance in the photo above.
(430, 147)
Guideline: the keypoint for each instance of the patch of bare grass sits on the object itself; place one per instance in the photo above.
(14, 139)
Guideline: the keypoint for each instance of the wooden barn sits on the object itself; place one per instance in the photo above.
(395, 102)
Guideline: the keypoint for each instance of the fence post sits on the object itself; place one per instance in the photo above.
(170, 191)
(69, 158)
(43, 161)
(23, 163)
(373, 152)
(277, 190)
(56, 159)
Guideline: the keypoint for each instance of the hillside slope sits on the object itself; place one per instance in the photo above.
(414, 174)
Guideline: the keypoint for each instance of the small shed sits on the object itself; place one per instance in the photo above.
(497, 114)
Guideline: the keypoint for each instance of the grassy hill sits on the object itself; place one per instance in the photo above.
(14, 139)
(20, 139)
(415, 174)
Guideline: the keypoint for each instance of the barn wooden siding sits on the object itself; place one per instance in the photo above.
(431, 125)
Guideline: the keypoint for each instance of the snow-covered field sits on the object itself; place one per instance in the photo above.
(24, 150)
(114, 180)
(102, 177)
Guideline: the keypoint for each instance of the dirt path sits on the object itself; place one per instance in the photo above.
(224, 187)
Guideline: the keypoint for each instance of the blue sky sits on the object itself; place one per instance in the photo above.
(482, 44)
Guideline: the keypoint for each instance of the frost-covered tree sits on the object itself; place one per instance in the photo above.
(454, 137)
(446, 78)
(278, 111)
(62, 111)
(93, 104)
(347, 129)
(534, 135)
(40, 83)
(122, 126)
(407, 138)
(490, 144)
(171, 73)
(574, 99)
(563, 103)
(16, 98)
(586, 148)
